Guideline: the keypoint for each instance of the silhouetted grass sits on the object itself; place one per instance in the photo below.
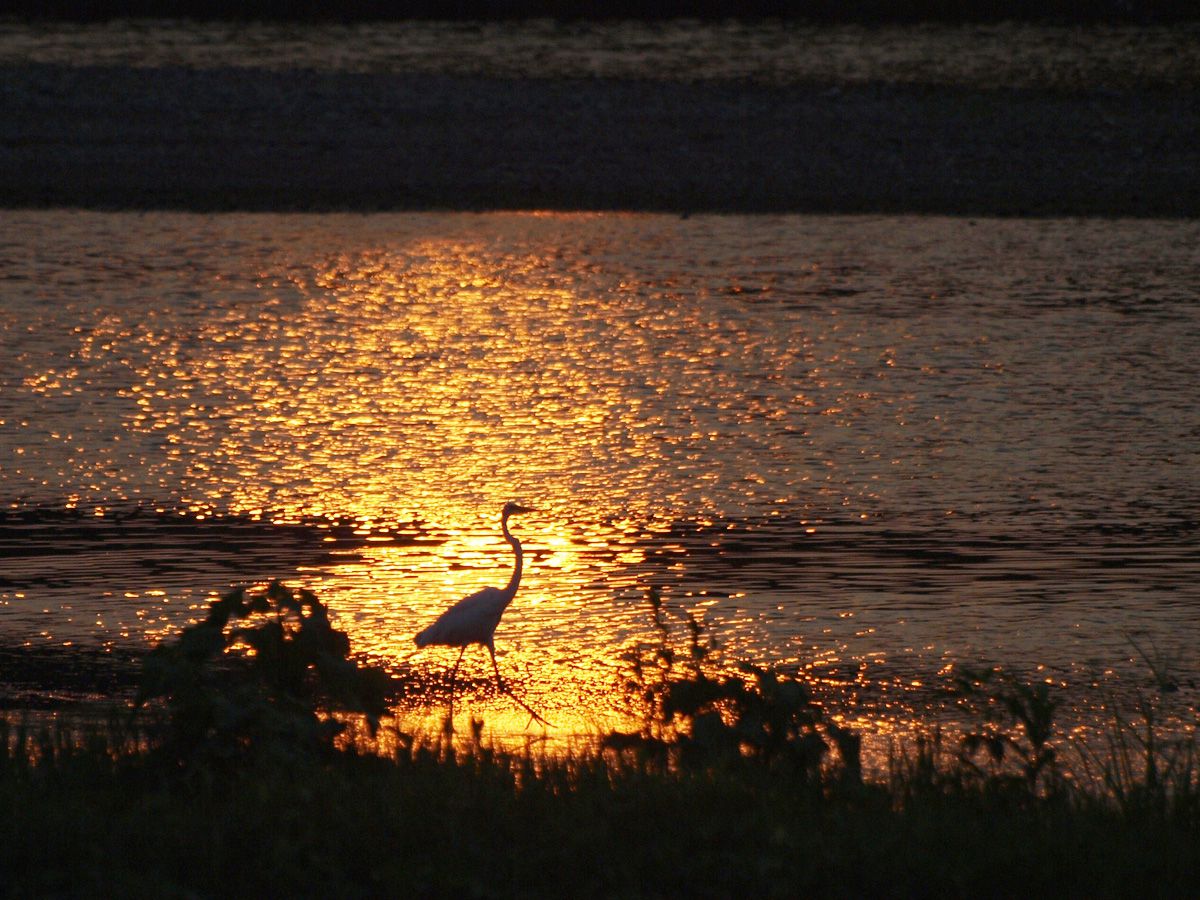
(429, 819)
(737, 785)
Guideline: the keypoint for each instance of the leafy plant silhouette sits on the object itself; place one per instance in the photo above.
(261, 675)
(1016, 724)
(697, 718)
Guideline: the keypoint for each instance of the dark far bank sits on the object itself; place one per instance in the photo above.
(814, 11)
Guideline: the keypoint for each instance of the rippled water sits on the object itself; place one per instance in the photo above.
(870, 446)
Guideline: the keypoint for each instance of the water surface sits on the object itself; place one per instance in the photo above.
(871, 447)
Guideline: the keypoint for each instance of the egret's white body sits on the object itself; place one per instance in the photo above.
(473, 619)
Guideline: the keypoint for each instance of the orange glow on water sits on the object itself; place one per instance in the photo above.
(802, 429)
(430, 387)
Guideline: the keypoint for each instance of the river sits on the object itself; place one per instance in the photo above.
(869, 448)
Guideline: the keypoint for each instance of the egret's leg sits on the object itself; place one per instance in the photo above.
(453, 677)
(504, 689)
(495, 668)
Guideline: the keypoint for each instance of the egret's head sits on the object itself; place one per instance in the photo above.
(513, 509)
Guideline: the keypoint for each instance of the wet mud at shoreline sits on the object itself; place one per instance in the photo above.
(104, 558)
(82, 590)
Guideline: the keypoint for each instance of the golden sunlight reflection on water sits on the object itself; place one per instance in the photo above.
(860, 447)
(430, 383)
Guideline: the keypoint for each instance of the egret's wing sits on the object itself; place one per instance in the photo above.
(472, 620)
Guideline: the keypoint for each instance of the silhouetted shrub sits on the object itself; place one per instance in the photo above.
(260, 675)
(694, 717)
(1015, 724)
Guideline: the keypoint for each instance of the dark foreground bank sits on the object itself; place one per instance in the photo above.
(241, 139)
(433, 822)
(240, 775)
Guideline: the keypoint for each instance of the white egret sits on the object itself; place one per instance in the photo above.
(473, 619)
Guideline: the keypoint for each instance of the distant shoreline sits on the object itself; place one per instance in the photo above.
(817, 11)
(237, 139)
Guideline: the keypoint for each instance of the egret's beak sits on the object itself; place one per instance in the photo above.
(515, 509)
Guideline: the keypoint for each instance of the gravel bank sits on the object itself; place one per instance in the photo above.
(120, 137)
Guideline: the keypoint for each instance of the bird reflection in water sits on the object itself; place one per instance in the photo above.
(473, 620)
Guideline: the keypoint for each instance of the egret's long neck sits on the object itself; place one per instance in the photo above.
(511, 590)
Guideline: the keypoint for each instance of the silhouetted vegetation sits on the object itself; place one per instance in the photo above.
(261, 674)
(694, 718)
(738, 784)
